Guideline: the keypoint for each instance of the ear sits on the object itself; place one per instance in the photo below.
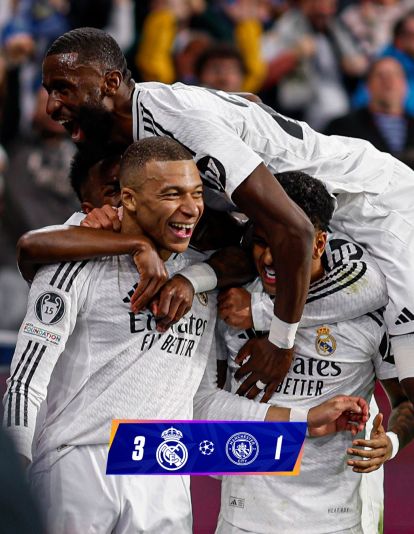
(112, 82)
(128, 199)
(319, 244)
(87, 207)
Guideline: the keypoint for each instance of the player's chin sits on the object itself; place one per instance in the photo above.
(178, 247)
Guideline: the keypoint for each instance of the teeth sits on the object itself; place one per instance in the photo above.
(270, 272)
(182, 225)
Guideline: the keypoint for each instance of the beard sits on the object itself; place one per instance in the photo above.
(97, 124)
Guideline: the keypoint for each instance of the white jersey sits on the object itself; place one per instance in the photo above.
(333, 358)
(82, 350)
(230, 136)
(352, 286)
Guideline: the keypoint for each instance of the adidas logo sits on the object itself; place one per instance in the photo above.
(405, 316)
(236, 502)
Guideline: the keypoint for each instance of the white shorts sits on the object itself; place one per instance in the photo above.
(77, 497)
(223, 527)
(384, 224)
(371, 489)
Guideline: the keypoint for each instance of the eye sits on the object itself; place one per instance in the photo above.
(259, 241)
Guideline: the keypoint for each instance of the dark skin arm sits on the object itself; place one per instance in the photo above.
(289, 234)
(79, 243)
(401, 421)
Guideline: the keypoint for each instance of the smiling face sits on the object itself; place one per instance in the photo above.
(75, 97)
(263, 259)
(166, 202)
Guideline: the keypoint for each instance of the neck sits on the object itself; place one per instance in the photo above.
(317, 271)
(122, 111)
(389, 108)
(130, 226)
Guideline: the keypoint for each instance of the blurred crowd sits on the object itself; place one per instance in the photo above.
(345, 67)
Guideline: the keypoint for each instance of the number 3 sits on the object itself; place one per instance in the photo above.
(138, 453)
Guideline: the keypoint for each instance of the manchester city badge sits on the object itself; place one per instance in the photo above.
(242, 448)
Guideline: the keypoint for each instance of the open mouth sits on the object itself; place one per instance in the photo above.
(181, 230)
(74, 129)
(268, 275)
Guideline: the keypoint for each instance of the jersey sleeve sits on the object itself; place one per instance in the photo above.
(383, 359)
(223, 158)
(262, 311)
(212, 403)
(55, 299)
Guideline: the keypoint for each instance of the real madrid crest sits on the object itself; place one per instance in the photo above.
(202, 298)
(171, 453)
(325, 343)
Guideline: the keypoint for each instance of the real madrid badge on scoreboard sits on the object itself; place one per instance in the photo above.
(205, 447)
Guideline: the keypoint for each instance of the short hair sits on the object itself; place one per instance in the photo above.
(150, 149)
(81, 164)
(92, 46)
(374, 64)
(311, 195)
(218, 51)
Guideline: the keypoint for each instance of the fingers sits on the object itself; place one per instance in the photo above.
(105, 218)
(366, 466)
(243, 353)
(270, 389)
(144, 292)
(377, 425)
(247, 384)
(244, 370)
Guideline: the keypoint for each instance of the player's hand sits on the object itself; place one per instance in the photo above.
(267, 363)
(234, 307)
(378, 452)
(152, 275)
(105, 218)
(338, 414)
(173, 301)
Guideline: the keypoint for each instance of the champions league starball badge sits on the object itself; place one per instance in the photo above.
(171, 454)
(50, 308)
(206, 447)
(242, 448)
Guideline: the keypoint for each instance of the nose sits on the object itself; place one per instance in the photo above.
(267, 257)
(191, 206)
(53, 103)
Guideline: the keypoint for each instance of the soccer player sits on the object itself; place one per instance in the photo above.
(331, 355)
(83, 358)
(237, 144)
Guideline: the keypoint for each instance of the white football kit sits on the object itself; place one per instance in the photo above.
(82, 359)
(229, 137)
(332, 358)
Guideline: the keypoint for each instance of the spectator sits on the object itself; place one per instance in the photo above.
(37, 193)
(221, 67)
(371, 22)
(402, 49)
(315, 90)
(383, 121)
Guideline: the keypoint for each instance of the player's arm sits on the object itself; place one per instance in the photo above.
(289, 234)
(55, 298)
(383, 446)
(73, 243)
(211, 403)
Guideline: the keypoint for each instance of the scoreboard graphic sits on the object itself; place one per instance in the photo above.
(205, 448)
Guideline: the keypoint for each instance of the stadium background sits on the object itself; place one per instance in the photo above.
(316, 72)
